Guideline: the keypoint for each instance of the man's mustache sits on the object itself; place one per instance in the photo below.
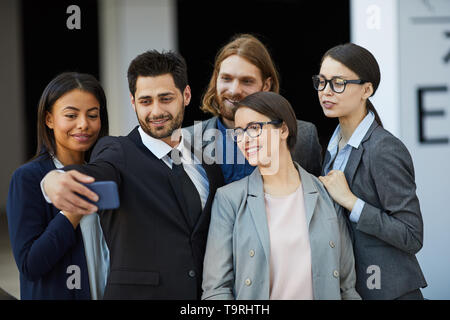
(161, 117)
(235, 99)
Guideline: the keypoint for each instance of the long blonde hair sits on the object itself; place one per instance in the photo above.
(250, 48)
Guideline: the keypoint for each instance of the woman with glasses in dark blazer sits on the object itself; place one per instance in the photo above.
(275, 234)
(370, 174)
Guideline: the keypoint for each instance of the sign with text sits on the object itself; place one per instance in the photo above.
(411, 41)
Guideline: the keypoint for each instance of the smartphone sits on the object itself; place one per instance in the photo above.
(108, 195)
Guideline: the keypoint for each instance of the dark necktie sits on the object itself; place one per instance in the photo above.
(190, 193)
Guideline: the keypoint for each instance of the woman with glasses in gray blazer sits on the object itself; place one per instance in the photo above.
(370, 174)
(275, 234)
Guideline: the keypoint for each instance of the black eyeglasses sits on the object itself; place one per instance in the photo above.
(253, 129)
(337, 84)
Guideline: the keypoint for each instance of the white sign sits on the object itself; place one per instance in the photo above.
(411, 41)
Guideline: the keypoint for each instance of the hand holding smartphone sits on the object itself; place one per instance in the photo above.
(108, 195)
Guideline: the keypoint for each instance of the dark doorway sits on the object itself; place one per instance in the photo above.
(50, 47)
(297, 33)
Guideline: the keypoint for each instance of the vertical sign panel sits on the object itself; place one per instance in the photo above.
(424, 47)
(411, 41)
(374, 26)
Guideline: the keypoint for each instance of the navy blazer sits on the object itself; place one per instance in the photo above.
(43, 241)
(156, 252)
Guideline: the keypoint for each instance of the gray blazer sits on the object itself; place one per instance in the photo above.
(390, 229)
(239, 226)
(307, 151)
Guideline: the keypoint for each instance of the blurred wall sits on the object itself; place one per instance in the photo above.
(12, 128)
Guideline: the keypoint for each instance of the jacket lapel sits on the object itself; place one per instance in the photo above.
(208, 124)
(352, 164)
(46, 163)
(355, 156)
(310, 193)
(136, 138)
(256, 203)
(215, 180)
(325, 161)
(180, 198)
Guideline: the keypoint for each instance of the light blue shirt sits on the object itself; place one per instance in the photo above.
(95, 249)
(341, 157)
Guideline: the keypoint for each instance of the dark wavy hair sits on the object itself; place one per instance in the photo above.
(361, 62)
(60, 85)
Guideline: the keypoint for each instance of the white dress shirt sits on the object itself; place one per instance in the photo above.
(193, 168)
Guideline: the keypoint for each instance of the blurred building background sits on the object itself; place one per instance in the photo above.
(409, 38)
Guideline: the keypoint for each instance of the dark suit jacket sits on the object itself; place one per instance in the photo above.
(390, 229)
(44, 242)
(154, 252)
(307, 151)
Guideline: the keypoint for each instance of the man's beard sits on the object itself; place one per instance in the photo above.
(227, 111)
(167, 130)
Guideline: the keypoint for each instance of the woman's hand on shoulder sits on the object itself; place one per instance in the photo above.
(337, 186)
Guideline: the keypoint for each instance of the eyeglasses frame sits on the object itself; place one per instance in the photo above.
(359, 81)
(261, 125)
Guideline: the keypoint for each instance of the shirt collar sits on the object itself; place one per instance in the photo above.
(57, 163)
(158, 147)
(221, 126)
(357, 136)
(226, 132)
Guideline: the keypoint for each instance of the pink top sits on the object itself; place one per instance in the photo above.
(290, 252)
